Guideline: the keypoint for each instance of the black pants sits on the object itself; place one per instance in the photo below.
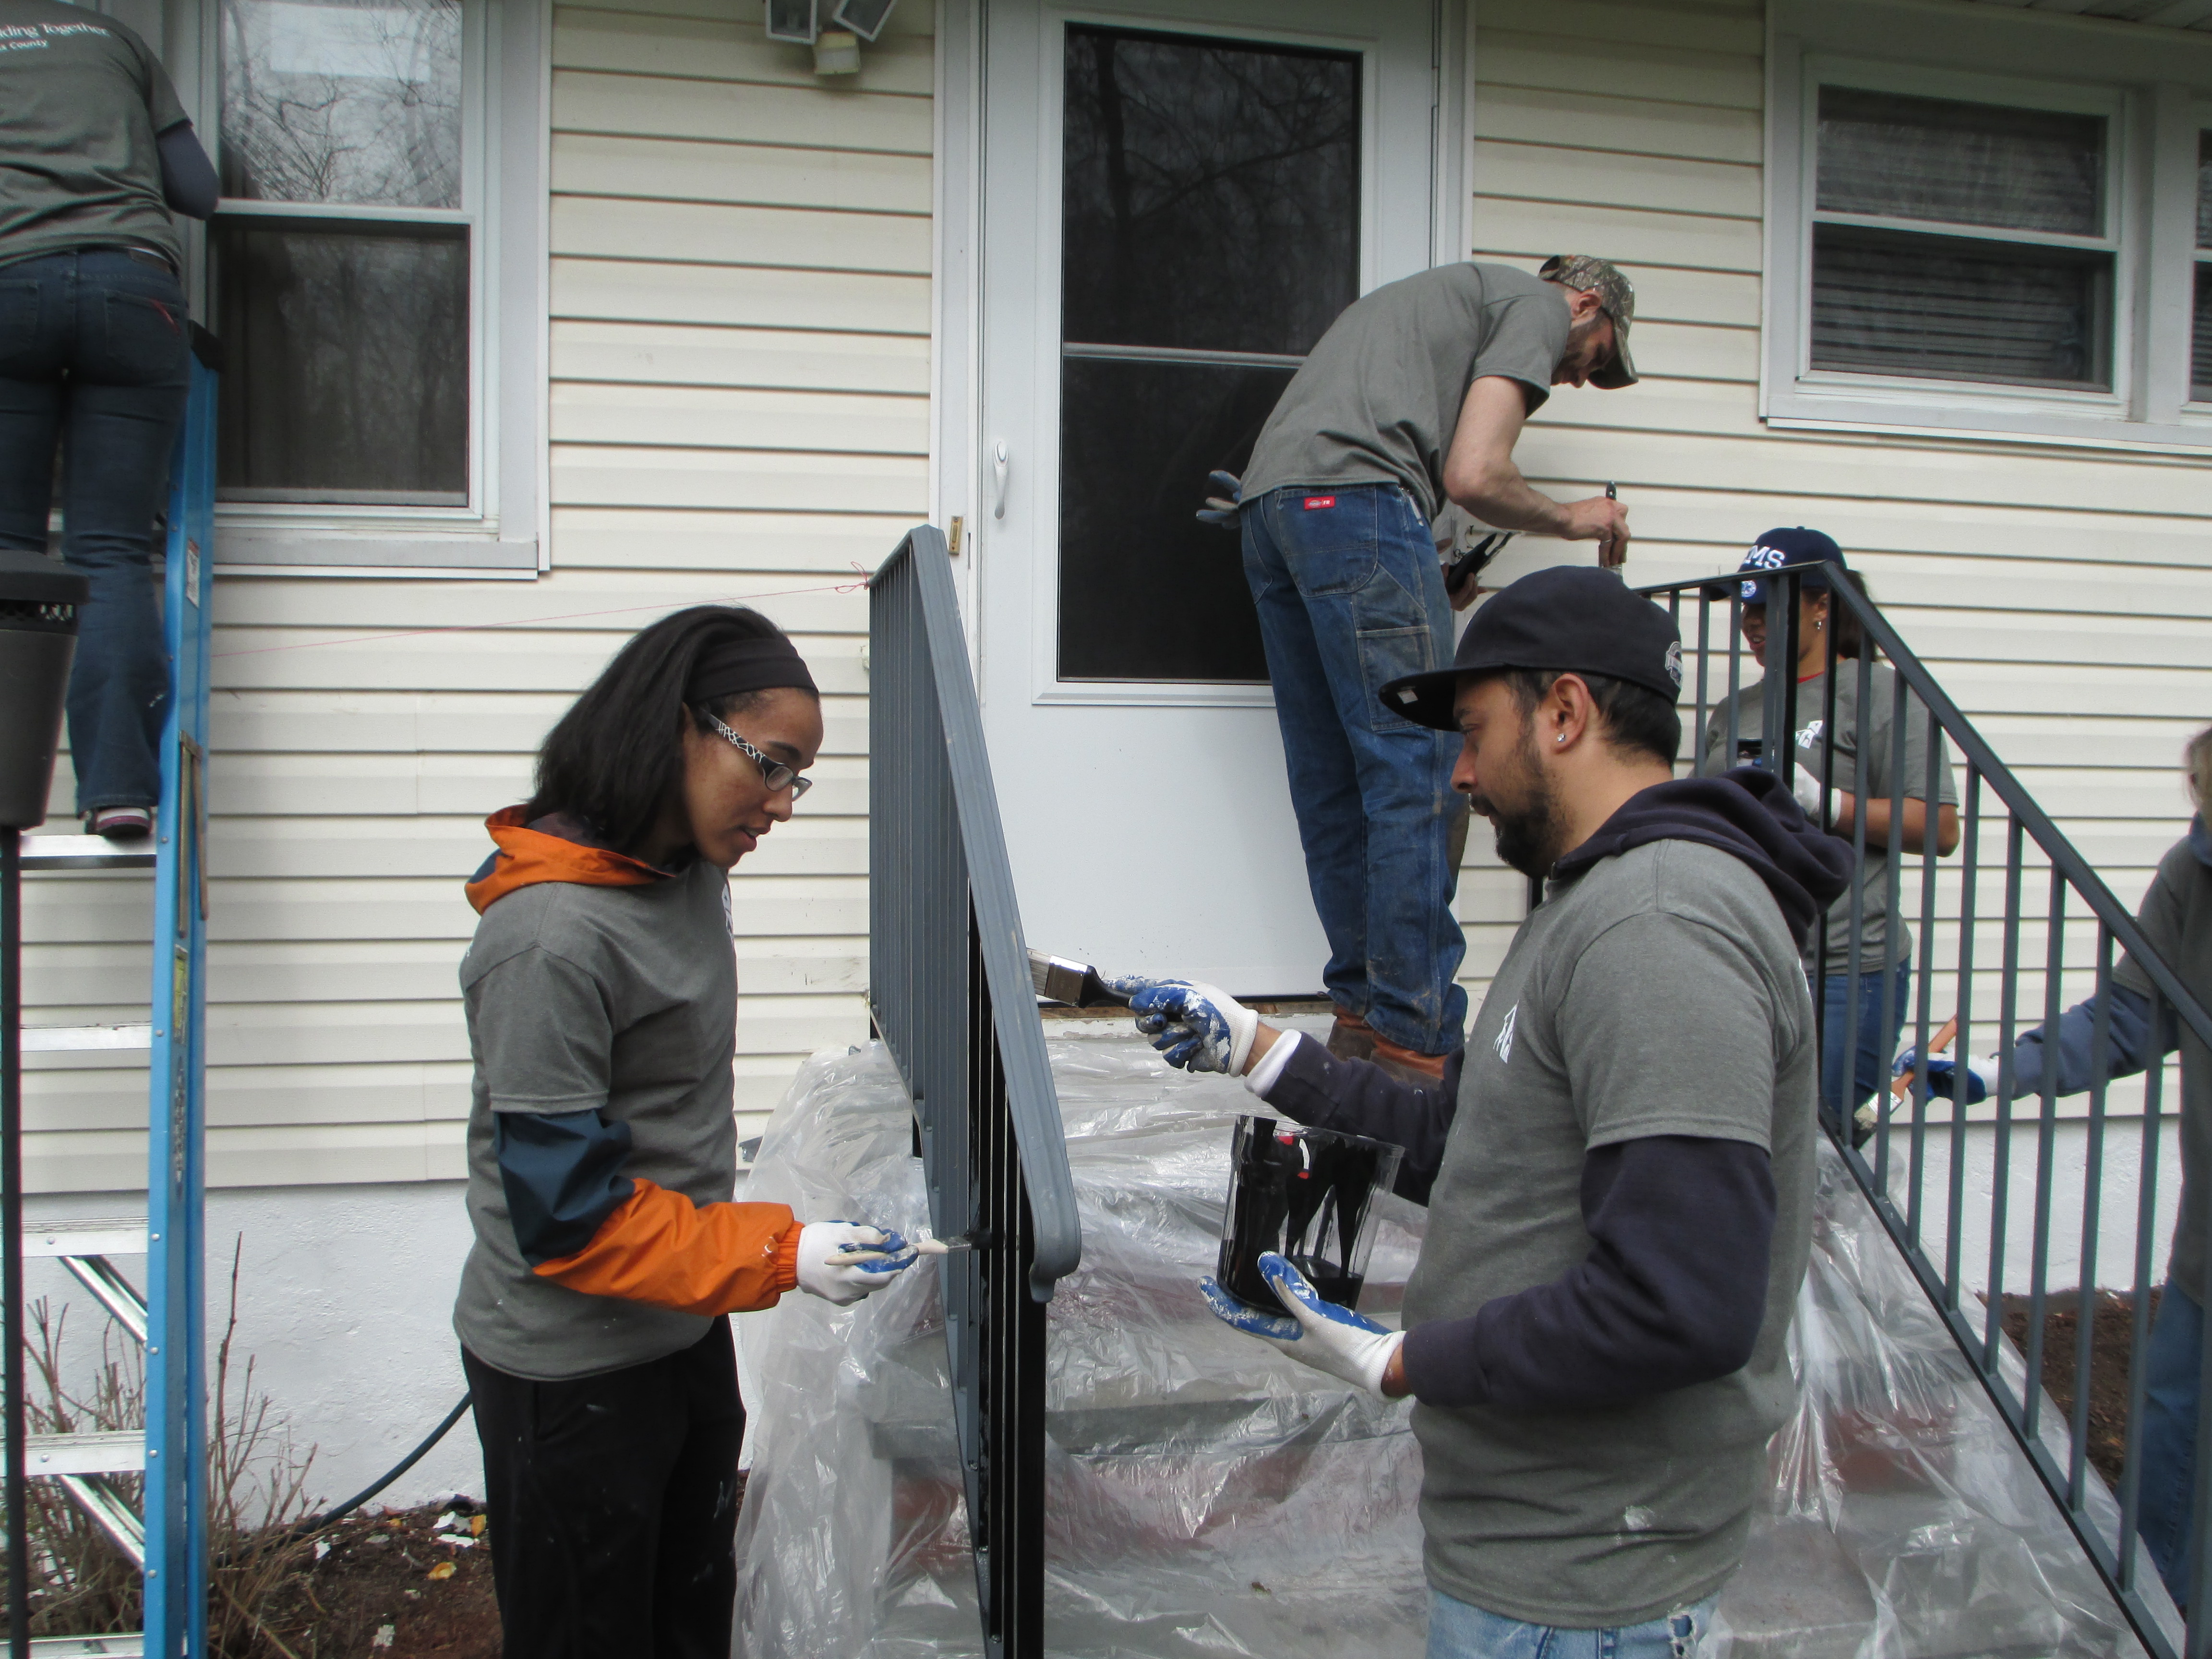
(613, 1505)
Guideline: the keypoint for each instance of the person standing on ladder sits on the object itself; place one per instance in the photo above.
(2176, 918)
(601, 995)
(1414, 399)
(95, 152)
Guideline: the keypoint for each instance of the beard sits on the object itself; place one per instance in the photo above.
(1528, 832)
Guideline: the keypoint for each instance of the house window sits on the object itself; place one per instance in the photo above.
(2200, 356)
(1961, 240)
(344, 252)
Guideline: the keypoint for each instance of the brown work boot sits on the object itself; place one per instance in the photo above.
(1352, 1037)
(1408, 1065)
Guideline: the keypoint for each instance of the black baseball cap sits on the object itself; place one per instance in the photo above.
(1792, 544)
(1572, 618)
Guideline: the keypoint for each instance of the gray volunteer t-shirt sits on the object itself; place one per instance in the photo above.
(2176, 923)
(1659, 993)
(1378, 398)
(81, 99)
(1877, 739)
(624, 1000)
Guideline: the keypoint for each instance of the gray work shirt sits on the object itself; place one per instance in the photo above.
(2176, 917)
(82, 100)
(1377, 400)
(1877, 740)
(1658, 994)
(619, 999)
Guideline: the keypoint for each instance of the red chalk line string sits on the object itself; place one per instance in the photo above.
(531, 621)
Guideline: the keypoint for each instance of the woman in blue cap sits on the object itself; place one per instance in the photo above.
(1863, 1017)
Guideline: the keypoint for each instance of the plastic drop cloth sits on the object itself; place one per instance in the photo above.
(1206, 1496)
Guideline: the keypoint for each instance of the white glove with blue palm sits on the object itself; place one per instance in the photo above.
(1222, 509)
(1327, 1335)
(1981, 1079)
(841, 1262)
(1201, 1028)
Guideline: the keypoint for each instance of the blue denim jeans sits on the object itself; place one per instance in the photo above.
(1870, 1047)
(1350, 596)
(93, 357)
(1457, 1631)
(2172, 1366)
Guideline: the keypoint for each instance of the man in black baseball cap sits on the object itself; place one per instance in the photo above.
(1618, 1168)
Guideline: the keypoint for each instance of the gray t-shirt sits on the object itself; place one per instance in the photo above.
(1878, 741)
(2176, 923)
(82, 100)
(1377, 400)
(624, 1000)
(1658, 994)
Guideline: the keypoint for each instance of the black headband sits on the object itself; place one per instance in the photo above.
(755, 663)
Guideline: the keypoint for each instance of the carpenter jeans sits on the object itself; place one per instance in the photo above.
(1350, 596)
(613, 1505)
(1869, 1047)
(93, 356)
(2172, 1363)
(1458, 1630)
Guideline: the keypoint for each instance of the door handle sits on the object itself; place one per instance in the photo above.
(1000, 465)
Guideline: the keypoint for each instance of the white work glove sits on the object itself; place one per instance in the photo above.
(1325, 1335)
(1201, 1028)
(841, 1262)
(1943, 1075)
(1807, 788)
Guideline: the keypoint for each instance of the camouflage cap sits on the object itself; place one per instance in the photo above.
(1589, 275)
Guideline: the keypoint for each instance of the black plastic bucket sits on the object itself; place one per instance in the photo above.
(1308, 1195)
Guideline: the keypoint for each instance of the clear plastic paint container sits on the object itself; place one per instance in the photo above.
(1307, 1194)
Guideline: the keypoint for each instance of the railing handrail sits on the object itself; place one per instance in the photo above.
(2064, 857)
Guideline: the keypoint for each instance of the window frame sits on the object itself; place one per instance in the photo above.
(506, 81)
(2153, 84)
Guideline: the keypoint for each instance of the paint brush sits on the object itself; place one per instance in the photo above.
(1075, 983)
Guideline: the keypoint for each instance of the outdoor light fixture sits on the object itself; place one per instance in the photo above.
(865, 18)
(837, 52)
(40, 601)
(791, 20)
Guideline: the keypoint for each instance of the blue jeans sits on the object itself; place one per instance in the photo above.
(2172, 1364)
(1871, 1046)
(93, 356)
(1350, 596)
(1457, 1631)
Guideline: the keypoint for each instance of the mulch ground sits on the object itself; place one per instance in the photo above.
(387, 1587)
(2111, 1342)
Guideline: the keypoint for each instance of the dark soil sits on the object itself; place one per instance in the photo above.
(377, 1576)
(2110, 1342)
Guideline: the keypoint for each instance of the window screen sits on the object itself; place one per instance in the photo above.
(1963, 241)
(1210, 233)
(347, 326)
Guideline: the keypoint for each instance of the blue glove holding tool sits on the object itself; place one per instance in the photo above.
(1325, 1335)
(1201, 1028)
(1221, 510)
(841, 1262)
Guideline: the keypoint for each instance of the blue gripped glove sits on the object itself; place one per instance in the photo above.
(1201, 1028)
(1325, 1335)
(1221, 510)
(841, 1262)
(1943, 1075)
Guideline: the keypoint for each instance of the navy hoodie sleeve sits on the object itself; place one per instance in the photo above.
(1356, 1098)
(1673, 1292)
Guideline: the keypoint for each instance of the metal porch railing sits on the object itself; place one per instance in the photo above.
(949, 986)
(1941, 1177)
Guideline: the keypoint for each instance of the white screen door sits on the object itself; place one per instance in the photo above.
(1176, 203)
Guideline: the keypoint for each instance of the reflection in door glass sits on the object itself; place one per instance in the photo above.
(1210, 233)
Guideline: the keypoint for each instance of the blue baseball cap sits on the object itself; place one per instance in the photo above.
(1793, 544)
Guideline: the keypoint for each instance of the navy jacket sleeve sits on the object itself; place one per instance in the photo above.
(188, 181)
(2069, 1051)
(1356, 1098)
(1673, 1292)
(561, 1174)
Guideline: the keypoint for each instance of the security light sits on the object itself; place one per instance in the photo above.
(792, 19)
(865, 18)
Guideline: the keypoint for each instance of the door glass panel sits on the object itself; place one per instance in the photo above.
(1210, 217)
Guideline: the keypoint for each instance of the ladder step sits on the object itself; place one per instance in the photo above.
(124, 1645)
(118, 1235)
(123, 1453)
(111, 1511)
(78, 1039)
(85, 853)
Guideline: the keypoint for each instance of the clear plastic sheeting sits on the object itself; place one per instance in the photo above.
(1208, 1496)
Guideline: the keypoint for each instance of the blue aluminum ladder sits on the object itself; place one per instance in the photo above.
(167, 1536)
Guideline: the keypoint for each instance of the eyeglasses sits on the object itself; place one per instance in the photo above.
(774, 772)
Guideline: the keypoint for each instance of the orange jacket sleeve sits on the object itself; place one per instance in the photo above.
(659, 1247)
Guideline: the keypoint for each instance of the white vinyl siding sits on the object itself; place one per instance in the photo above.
(740, 320)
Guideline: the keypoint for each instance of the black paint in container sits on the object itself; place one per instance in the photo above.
(1307, 1194)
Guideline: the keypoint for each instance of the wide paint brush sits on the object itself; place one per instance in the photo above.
(1075, 983)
